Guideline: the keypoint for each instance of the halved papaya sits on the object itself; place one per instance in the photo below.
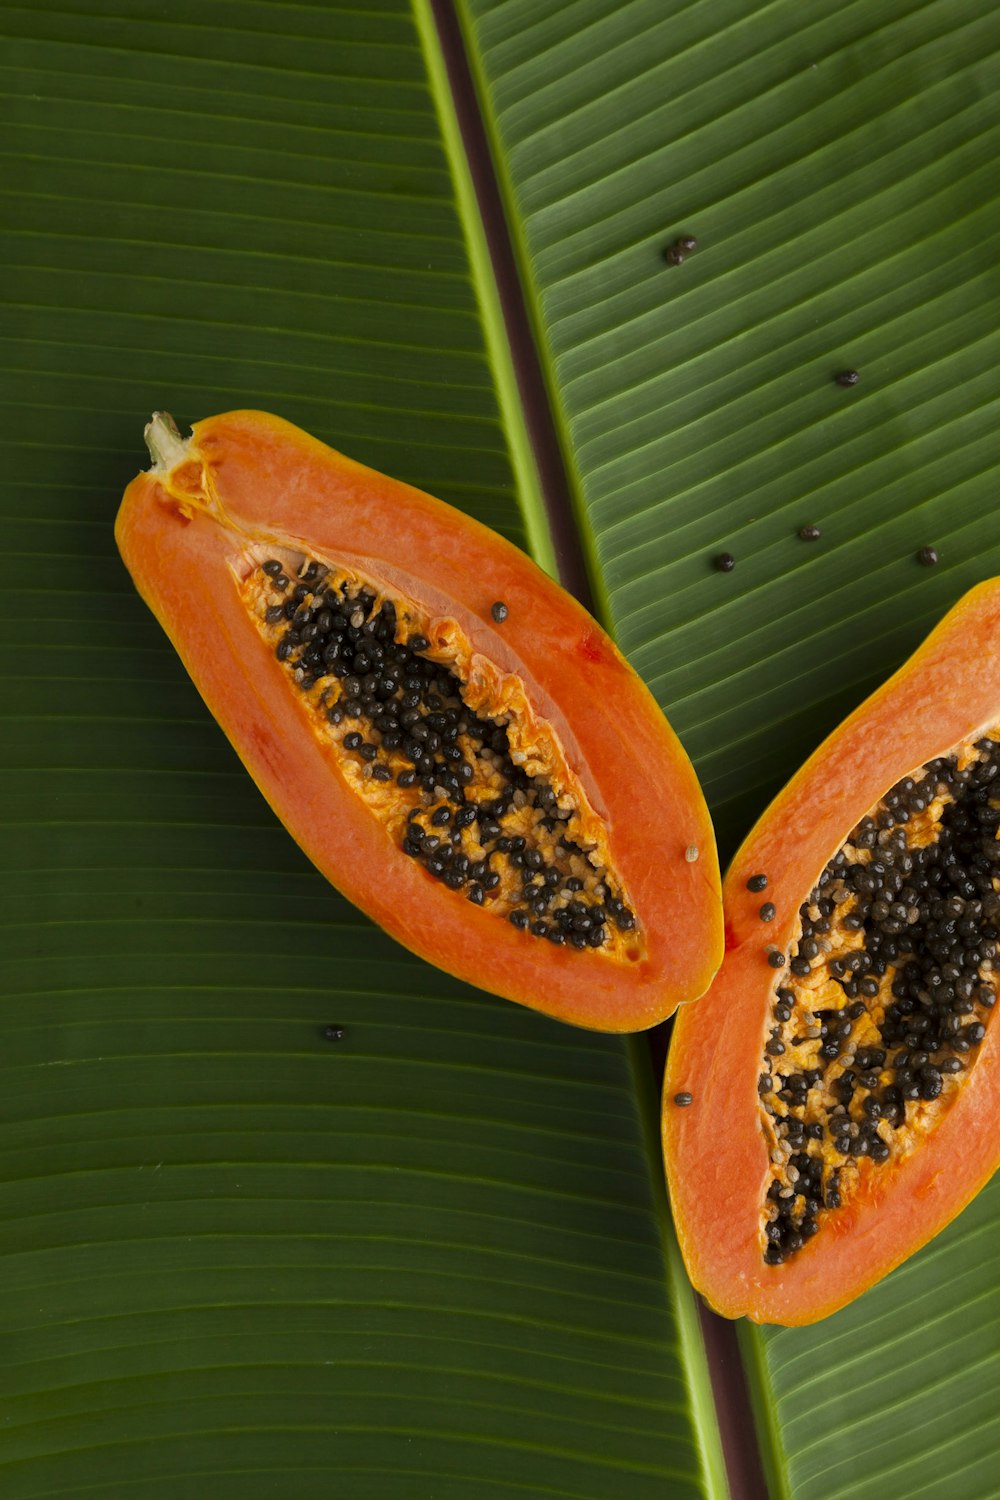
(449, 736)
(834, 1099)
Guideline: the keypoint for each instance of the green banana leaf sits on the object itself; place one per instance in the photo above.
(433, 1259)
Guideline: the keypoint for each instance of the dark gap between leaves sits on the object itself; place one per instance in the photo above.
(729, 1384)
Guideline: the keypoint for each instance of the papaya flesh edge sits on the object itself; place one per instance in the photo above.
(192, 530)
(715, 1150)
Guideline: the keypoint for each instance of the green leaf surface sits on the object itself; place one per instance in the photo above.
(239, 1259)
(897, 1391)
(431, 1259)
(837, 164)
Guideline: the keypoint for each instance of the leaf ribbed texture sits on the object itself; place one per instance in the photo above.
(837, 165)
(898, 1391)
(241, 1260)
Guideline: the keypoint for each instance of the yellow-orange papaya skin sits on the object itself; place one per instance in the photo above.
(715, 1150)
(245, 482)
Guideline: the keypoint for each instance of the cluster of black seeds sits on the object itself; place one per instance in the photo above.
(916, 990)
(403, 717)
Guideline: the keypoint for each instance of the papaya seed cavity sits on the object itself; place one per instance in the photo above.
(888, 991)
(466, 780)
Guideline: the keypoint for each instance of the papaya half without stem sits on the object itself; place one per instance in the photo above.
(844, 1066)
(452, 740)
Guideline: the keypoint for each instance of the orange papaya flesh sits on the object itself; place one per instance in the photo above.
(449, 736)
(844, 1066)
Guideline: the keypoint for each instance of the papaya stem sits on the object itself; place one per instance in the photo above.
(164, 441)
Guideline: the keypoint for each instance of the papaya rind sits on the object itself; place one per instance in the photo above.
(715, 1151)
(251, 478)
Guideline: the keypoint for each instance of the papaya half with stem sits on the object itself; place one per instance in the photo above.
(834, 1099)
(449, 736)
